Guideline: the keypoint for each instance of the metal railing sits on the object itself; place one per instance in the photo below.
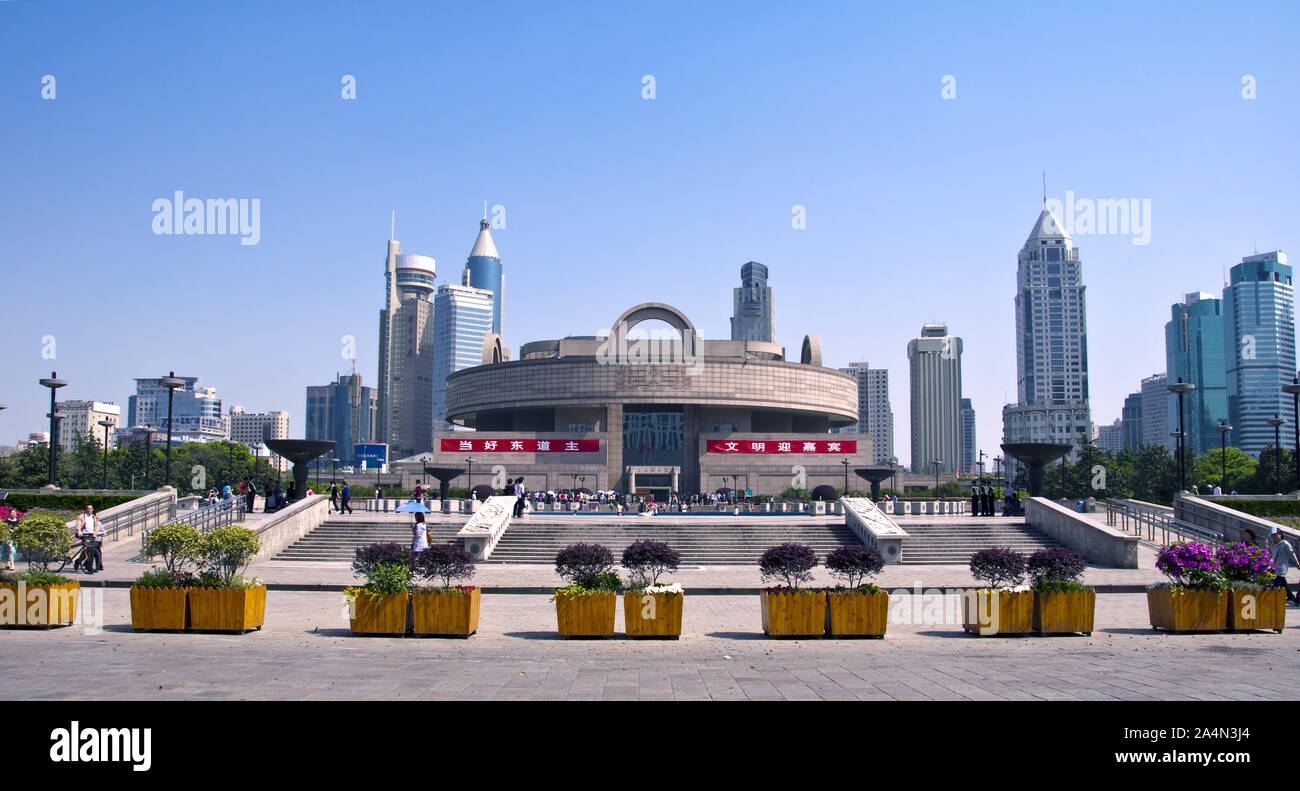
(143, 515)
(1147, 521)
(209, 517)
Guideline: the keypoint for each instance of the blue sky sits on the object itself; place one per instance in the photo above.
(916, 205)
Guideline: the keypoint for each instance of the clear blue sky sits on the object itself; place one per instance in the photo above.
(916, 205)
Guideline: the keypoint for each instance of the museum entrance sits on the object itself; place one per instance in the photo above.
(659, 482)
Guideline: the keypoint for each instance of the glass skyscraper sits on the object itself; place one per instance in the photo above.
(483, 270)
(1194, 352)
(406, 353)
(753, 315)
(463, 318)
(1259, 341)
(343, 411)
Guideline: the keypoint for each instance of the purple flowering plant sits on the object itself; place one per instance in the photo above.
(1243, 563)
(1191, 565)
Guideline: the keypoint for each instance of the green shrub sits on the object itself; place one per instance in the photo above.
(1262, 508)
(38, 577)
(177, 545)
(228, 549)
(44, 539)
(69, 501)
(162, 578)
(213, 579)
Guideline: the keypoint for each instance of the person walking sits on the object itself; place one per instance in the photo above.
(251, 495)
(419, 535)
(519, 497)
(419, 492)
(90, 529)
(347, 495)
(1283, 558)
(334, 497)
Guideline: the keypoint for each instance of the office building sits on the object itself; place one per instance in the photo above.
(875, 417)
(1132, 417)
(968, 449)
(935, 362)
(253, 429)
(462, 324)
(483, 270)
(81, 420)
(753, 316)
(1259, 340)
(1155, 412)
(343, 411)
(406, 353)
(1194, 353)
(196, 411)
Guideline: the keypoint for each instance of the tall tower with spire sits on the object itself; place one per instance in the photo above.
(405, 408)
(1051, 341)
(483, 269)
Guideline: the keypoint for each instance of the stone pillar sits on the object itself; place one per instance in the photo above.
(690, 475)
(614, 447)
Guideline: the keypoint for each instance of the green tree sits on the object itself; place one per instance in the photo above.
(1155, 475)
(1265, 482)
(1241, 469)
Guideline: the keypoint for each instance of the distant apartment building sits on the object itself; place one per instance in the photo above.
(968, 449)
(253, 429)
(1155, 412)
(196, 411)
(875, 417)
(935, 363)
(81, 420)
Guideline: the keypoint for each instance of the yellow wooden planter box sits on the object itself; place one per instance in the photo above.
(986, 612)
(453, 614)
(653, 614)
(159, 608)
(382, 614)
(1268, 609)
(586, 614)
(1062, 612)
(857, 614)
(221, 610)
(1187, 610)
(798, 614)
(22, 604)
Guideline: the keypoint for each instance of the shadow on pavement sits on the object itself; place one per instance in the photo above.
(752, 636)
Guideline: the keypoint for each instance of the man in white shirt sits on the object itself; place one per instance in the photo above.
(519, 497)
(91, 530)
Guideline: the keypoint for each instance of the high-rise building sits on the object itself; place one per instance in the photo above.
(81, 419)
(1194, 353)
(1155, 411)
(875, 417)
(935, 360)
(968, 449)
(1051, 341)
(406, 353)
(753, 315)
(343, 411)
(483, 270)
(252, 429)
(1111, 438)
(1132, 417)
(1259, 340)
(196, 411)
(463, 319)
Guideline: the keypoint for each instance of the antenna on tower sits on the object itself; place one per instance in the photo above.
(392, 232)
(485, 208)
(1044, 187)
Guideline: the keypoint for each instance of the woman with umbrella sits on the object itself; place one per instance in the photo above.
(419, 531)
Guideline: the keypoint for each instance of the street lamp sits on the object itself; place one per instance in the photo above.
(171, 382)
(981, 464)
(148, 452)
(54, 383)
(893, 475)
(1294, 390)
(1276, 422)
(936, 463)
(470, 461)
(846, 476)
(1180, 387)
(105, 424)
(1223, 428)
(997, 474)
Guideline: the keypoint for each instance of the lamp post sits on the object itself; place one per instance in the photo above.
(171, 382)
(1180, 387)
(893, 475)
(997, 474)
(54, 383)
(1276, 422)
(845, 462)
(148, 452)
(1223, 428)
(936, 463)
(981, 464)
(105, 424)
(1294, 390)
(470, 462)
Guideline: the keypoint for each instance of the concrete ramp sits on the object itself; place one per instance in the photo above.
(484, 529)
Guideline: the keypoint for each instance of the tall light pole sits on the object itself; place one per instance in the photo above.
(845, 462)
(470, 461)
(997, 474)
(1223, 428)
(54, 383)
(1180, 387)
(893, 475)
(936, 463)
(981, 464)
(171, 382)
(105, 424)
(1276, 422)
(148, 452)
(1294, 390)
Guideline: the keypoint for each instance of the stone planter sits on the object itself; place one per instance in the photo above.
(586, 614)
(1249, 610)
(1064, 612)
(1186, 610)
(227, 610)
(163, 609)
(382, 614)
(856, 614)
(22, 604)
(794, 614)
(988, 612)
(653, 614)
(452, 613)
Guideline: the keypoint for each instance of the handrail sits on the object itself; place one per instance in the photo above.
(1130, 514)
(223, 512)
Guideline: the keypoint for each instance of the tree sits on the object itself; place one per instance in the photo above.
(1241, 468)
(1265, 482)
(1155, 475)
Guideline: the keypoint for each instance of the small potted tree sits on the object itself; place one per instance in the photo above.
(1253, 602)
(1005, 605)
(40, 597)
(1195, 599)
(1062, 603)
(857, 608)
(788, 610)
(159, 596)
(222, 599)
(449, 610)
(649, 608)
(382, 604)
(585, 607)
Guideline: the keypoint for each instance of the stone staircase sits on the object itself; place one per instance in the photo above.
(699, 545)
(952, 544)
(338, 538)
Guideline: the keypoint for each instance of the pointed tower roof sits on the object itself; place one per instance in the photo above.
(483, 245)
(1047, 227)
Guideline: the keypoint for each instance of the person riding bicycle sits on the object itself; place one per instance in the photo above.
(90, 529)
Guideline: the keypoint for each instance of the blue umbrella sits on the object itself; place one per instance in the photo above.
(412, 508)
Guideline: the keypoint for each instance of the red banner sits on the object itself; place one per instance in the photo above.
(521, 445)
(780, 446)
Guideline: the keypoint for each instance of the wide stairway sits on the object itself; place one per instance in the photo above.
(338, 538)
(699, 545)
(952, 544)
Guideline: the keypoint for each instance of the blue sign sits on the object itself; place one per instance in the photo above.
(373, 454)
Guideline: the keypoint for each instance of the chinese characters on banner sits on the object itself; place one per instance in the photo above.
(781, 446)
(522, 445)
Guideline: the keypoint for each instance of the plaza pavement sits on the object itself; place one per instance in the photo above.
(305, 652)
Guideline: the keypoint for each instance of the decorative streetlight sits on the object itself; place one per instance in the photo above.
(893, 474)
(105, 424)
(1180, 387)
(470, 461)
(997, 475)
(936, 463)
(1277, 422)
(54, 383)
(845, 462)
(1223, 428)
(148, 452)
(981, 464)
(1294, 390)
(171, 382)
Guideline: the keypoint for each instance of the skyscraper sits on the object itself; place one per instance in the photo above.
(196, 411)
(935, 360)
(875, 417)
(753, 315)
(1155, 411)
(1051, 341)
(1132, 417)
(406, 353)
(81, 419)
(1111, 438)
(343, 411)
(483, 270)
(1259, 341)
(463, 319)
(968, 449)
(1194, 353)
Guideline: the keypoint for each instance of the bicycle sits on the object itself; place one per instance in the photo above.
(80, 562)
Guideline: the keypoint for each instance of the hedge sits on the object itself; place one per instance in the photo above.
(1264, 508)
(67, 502)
